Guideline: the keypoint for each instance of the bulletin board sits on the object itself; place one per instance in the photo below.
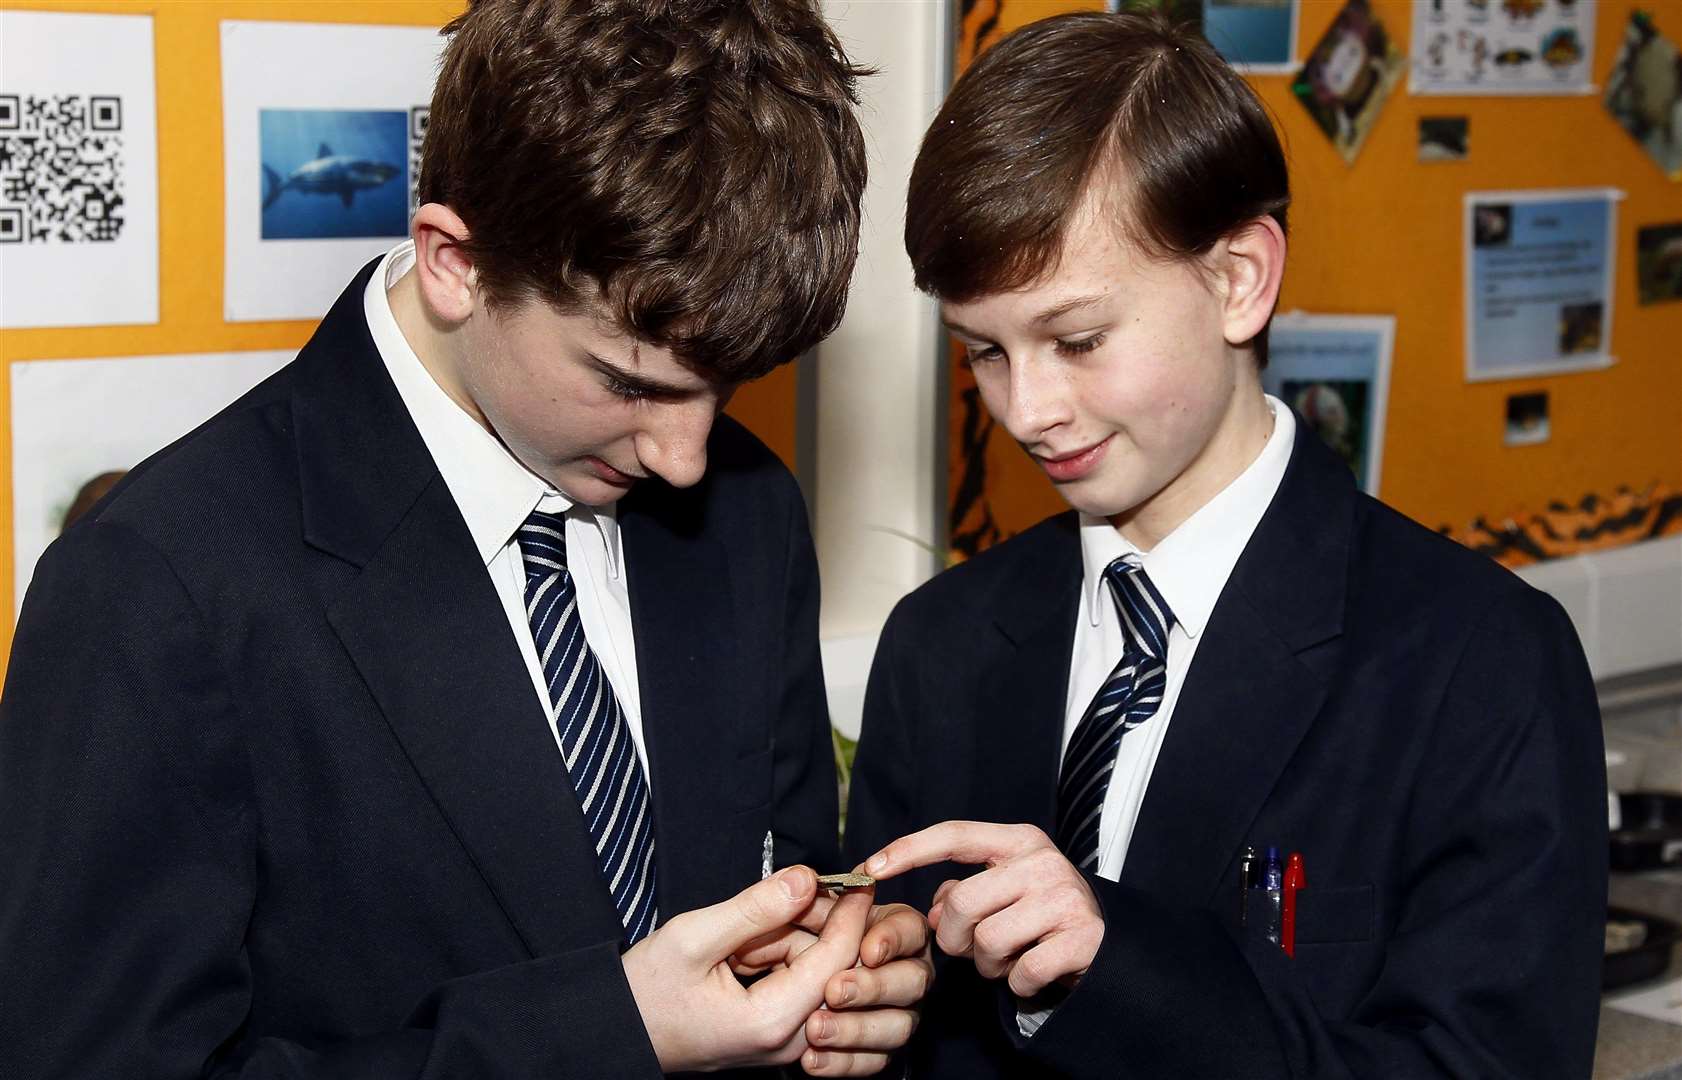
(190, 200)
(1382, 236)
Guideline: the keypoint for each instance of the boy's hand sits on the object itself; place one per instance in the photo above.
(869, 1010)
(1029, 918)
(700, 1016)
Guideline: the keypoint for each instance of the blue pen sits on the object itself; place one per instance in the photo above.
(1273, 884)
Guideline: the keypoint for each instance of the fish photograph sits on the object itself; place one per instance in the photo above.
(333, 173)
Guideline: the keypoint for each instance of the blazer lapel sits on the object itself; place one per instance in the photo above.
(424, 627)
(1019, 733)
(1255, 685)
(688, 673)
(1245, 705)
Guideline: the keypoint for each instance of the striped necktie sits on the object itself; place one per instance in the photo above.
(595, 736)
(1128, 698)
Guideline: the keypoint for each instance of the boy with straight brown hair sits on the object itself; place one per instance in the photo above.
(1224, 648)
(435, 710)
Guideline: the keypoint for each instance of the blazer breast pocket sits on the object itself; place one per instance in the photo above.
(1335, 915)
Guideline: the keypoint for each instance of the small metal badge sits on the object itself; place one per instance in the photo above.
(765, 857)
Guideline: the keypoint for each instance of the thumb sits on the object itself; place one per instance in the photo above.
(725, 928)
(791, 993)
(837, 947)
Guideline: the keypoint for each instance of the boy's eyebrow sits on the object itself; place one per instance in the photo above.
(641, 383)
(1049, 315)
(1052, 314)
(961, 330)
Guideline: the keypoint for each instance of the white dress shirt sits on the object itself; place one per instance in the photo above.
(495, 493)
(1189, 567)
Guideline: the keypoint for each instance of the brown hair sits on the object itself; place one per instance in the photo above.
(697, 161)
(88, 496)
(1004, 167)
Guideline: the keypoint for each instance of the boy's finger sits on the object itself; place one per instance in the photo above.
(896, 931)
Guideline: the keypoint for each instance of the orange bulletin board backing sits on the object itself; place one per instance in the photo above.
(186, 37)
(1383, 236)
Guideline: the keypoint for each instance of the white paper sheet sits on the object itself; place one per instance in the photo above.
(1538, 272)
(291, 90)
(78, 170)
(1334, 370)
(1528, 47)
(75, 419)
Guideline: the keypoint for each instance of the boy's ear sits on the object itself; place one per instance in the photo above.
(1252, 270)
(444, 270)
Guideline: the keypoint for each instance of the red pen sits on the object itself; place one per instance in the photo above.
(1288, 914)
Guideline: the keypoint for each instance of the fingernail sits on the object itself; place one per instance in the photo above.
(878, 863)
(826, 1029)
(819, 1059)
(881, 954)
(849, 991)
(793, 883)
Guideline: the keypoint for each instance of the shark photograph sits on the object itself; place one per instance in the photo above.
(329, 174)
(333, 173)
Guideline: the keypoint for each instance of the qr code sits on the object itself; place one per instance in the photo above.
(417, 136)
(61, 168)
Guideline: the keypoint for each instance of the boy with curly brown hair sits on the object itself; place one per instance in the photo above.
(436, 709)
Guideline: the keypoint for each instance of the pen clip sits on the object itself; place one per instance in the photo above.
(1246, 881)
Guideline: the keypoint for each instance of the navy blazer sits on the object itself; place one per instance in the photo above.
(277, 798)
(1414, 719)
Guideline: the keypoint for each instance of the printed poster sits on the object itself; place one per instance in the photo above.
(1348, 77)
(1644, 91)
(1527, 420)
(1538, 281)
(1502, 47)
(76, 422)
(78, 170)
(1334, 370)
(1257, 37)
(1444, 138)
(1658, 263)
(320, 172)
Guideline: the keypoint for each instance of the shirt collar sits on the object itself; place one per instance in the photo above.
(493, 490)
(1190, 565)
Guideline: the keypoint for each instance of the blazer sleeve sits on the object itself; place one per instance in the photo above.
(129, 867)
(1492, 968)
(805, 813)
(879, 807)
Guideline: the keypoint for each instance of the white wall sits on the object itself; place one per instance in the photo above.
(878, 375)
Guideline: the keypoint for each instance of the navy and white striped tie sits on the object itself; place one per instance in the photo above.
(595, 736)
(1128, 698)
